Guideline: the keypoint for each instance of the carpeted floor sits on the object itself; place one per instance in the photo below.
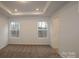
(28, 51)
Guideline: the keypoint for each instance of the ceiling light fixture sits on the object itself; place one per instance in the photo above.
(37, 9)
(23, 1)
(15, 10)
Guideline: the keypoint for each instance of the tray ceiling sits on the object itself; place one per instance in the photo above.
(24, 8)
(15, 8)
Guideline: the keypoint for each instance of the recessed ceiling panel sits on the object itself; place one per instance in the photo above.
(31, 8)
(26, 6)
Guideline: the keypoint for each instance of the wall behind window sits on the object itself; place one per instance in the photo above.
(28, 31)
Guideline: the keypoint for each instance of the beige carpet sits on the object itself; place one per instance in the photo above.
(28, 51)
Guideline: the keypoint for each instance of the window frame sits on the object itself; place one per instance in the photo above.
(10, 35)
(42, 29)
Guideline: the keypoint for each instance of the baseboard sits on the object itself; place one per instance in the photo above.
(31, 44)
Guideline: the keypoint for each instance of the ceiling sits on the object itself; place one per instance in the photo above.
(16, 8)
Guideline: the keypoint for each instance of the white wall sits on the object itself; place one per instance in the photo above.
(67, 37)
(28, 31)
(3, 31)
(54, 31)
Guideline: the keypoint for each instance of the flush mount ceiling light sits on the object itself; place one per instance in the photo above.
(37, 9)
(15, 10)
(23, 1)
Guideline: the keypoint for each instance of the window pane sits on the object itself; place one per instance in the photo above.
(42, 33)
(42, 25)
(42, 29)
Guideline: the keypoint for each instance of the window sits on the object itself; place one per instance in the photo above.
(42, 29)
(14, 29)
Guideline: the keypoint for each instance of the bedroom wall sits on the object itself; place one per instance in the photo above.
(28, 31)
(66, 21)
(3, 31)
